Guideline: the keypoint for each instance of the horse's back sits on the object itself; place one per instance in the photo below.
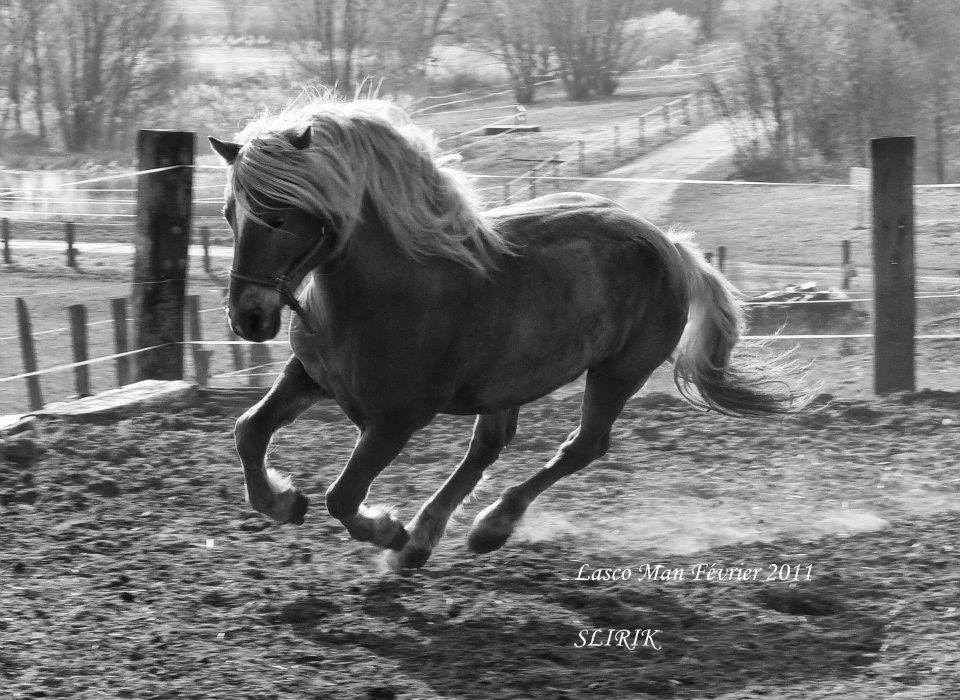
(584, 272)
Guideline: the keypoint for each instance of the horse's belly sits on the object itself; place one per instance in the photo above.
(520, 377)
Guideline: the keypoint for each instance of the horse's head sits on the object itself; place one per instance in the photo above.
(276, 245)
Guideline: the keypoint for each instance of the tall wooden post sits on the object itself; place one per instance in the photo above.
(846, 264)
(7, 259)
(28, 352)
(236, 351)
(205, 240)
(261, 360)
(893, 264)
(118, 309)
(162, 243)
(69, 234)
(78, 335)
(201, 356)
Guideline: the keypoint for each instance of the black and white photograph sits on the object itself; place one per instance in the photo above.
(442, 349)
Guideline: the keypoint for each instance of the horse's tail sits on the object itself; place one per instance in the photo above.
(702, 360)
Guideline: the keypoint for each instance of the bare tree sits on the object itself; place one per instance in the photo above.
(590, 42)
(35, 15)
(519, 41)
(14, 29)
(236, 12)
(107, 60)
(821, 78)
(329, 36)
(932, 25)
(402, 35)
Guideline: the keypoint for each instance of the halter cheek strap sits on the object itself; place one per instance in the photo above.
(281, 283)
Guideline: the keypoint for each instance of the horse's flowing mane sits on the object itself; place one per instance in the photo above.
(358, 148)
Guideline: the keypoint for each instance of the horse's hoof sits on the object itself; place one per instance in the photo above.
(494, 525)
(414, 557)
(298, 510)
(483, 541)
(407, 558)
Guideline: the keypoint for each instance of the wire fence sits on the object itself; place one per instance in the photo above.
(743, 220)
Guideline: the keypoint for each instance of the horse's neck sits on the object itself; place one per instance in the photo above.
(372, 267)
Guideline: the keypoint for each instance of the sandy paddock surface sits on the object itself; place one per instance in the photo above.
(131, 566)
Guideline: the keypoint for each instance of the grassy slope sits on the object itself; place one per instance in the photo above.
(804, 225)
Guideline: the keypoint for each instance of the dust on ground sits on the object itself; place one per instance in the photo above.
(132, 567)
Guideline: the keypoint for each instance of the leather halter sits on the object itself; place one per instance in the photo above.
(281, 283)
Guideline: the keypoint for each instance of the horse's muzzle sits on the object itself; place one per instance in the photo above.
(257, 322)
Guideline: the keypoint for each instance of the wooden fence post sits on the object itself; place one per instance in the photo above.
(6, 242)
(28, 352)
(722, 258)
(893, 264)
(259, 358)
(162, 250)
(201, 356)
(846, 267)
(506, 193)
(205, 240)
(118, 309)
(71, 251)
(236, 351)
(78, 335)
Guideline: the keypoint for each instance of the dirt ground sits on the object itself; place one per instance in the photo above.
(131, 566)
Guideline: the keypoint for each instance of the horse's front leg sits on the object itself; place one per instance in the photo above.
(268, 491)
(491, 433)
(378, 444)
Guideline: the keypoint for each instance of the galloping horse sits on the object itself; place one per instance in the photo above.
(414, 302)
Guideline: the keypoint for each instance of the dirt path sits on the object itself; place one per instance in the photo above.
(684, 158)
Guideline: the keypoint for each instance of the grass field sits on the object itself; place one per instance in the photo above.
(805, 224)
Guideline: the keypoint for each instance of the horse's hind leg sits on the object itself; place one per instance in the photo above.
(604, 396)
(268, 491)
(491, 433)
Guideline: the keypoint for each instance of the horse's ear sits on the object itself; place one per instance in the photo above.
(225, 149)
(301, 140)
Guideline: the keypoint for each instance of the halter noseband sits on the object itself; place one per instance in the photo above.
(281, 283)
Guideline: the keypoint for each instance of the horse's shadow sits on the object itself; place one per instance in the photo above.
(472, 649)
